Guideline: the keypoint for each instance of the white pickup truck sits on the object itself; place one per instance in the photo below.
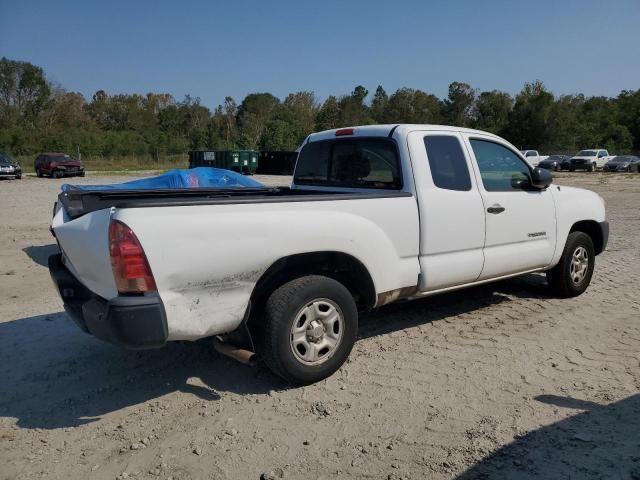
(589, 160)
(532, 157)
(374, 214)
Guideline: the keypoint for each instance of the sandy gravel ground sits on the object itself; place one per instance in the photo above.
(501, 381)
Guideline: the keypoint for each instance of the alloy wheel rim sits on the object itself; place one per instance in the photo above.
(579, 264)
(317, 331)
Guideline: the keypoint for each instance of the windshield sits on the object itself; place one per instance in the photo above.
(621, 159)
(556, 157)
(587, 153)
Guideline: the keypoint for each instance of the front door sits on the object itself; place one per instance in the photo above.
(520, 222)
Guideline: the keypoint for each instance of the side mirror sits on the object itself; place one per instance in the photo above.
(540, 178)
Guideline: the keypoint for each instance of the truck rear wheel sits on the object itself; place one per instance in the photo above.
(572, 275)
(310, 327)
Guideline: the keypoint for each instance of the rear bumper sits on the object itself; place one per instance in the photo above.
(136, 322)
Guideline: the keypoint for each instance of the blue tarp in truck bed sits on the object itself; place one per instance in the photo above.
(201, 177)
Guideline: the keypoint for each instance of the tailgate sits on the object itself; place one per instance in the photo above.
(84, 242)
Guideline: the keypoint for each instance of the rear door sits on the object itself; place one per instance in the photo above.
(452, 224)
(520, 223)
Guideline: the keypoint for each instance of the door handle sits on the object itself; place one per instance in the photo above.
(495, 208)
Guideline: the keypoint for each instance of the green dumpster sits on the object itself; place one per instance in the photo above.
(248, 161)
(202, 158)
(244, 161)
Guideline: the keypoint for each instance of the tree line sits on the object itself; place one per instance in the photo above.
(38, 115)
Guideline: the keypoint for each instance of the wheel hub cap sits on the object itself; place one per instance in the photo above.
(579, 264)
(317, 331)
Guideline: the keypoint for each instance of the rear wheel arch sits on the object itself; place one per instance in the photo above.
(342, 267)
(593, 229)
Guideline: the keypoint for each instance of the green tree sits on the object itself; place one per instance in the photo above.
(458, 106)
(24, 91)
(329, 114)
(529, 119)
(254, 113)
(280, 135)
(353, 110)
(491, 111)
(566, 126)
(379, 104)
(407, 105)
(628, 106)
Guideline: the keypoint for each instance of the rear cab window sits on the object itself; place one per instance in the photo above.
(350, 163)
(447, 162)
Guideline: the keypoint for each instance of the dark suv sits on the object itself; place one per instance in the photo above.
(58, 165)
(9, 167)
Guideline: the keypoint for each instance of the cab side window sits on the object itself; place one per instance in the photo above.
(449, 168)
(500, 168)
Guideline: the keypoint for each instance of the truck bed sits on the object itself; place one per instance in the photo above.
(79, 202)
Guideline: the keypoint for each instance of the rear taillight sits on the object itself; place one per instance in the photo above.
(130, 266)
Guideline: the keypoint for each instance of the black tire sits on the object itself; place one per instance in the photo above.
(81, 174)
(56, 174)
(38, 173)
(284, 307)
(560, 277)
(572, 169)
(18, 177)
(591, 168)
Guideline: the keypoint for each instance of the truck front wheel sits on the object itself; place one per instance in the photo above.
(572, 275)
(310, 327)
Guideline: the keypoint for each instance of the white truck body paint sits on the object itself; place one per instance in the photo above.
(85, 247)
(205, 280)
(206, 259)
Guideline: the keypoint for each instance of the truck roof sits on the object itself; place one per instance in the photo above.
(388, 130)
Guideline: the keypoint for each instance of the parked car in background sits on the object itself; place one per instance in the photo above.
(532, 157)
(589, 160)
(9, 168)
(555, 162)
(56, 165)
(623, 163)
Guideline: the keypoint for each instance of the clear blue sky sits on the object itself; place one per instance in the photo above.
(211, 49)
